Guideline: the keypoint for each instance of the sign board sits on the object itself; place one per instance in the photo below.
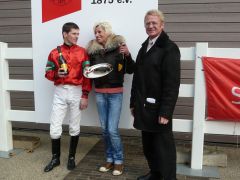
(223, 88)
(48, 16)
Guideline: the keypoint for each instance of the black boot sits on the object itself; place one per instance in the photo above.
(55, 155)
(72, 151)
(147, 176)
(150, 176)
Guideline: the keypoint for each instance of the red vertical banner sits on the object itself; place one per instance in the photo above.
(223, 88)
(52, 9)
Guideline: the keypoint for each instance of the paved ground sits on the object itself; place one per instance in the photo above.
(29, 166)
(136, 165)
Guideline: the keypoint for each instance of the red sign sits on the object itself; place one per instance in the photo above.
(223, 88)
(52, 9)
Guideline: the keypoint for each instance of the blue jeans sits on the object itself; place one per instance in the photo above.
(109, 109)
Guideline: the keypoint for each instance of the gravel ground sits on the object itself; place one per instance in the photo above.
(29, 166)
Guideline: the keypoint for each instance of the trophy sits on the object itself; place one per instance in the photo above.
(97, 70)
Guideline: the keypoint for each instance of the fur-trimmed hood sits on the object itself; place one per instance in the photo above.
(112, 43)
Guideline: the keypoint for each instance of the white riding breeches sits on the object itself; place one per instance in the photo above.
(65, 97)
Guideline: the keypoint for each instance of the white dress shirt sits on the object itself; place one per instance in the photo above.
(151, 42)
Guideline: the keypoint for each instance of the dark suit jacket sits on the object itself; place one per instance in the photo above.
(157, 76)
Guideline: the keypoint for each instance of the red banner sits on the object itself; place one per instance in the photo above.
(223, 88)
(52, 9)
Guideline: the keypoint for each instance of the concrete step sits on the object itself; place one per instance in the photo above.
(211, 156)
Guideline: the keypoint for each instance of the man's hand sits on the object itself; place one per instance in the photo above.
(162, 120)
(61, 73)
(83, 103)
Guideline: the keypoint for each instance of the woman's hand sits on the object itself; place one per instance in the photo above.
(123, 49)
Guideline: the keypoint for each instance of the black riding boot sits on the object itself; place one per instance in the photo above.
(55, 155)
(72, 151)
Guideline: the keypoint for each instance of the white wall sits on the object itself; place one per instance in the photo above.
(126, 19)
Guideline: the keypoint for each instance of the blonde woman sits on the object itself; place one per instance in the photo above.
(110, 48)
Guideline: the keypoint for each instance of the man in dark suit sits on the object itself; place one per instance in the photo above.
(154, 94)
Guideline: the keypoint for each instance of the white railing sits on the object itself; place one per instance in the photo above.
(198, 126)
(6, 85)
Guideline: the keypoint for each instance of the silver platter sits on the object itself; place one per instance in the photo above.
(97, 70)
